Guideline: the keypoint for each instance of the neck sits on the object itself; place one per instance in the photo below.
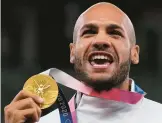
(125, 85)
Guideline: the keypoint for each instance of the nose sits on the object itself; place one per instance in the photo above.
(100, 45)
(101, 42)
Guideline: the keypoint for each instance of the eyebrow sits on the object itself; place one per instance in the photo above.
(114, 26)
(94, 26)
(89, 26)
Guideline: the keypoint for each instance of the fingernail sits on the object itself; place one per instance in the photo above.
(40, 100)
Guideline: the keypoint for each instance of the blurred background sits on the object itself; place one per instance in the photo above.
(35, 36)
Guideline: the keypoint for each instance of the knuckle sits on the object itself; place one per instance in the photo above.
(7, 110)
(36, 114)
(16, 116)
(22, 92)
(30, 100)
(15, 113)
(35, 110)
(40, 111)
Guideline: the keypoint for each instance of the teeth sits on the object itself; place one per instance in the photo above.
(99, 57)
(102, 57)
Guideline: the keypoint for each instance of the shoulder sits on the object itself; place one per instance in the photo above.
(151, 110)
(147, 111)
(150, 104)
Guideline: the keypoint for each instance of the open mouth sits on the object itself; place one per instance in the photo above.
(100, 59)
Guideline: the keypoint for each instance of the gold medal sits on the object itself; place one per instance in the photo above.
(43, 86)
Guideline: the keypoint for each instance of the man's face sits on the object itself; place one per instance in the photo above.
(102, 52)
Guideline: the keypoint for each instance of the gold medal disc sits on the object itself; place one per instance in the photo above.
(43, 86)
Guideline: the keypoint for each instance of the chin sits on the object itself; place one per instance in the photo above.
(100, 83)
(99, 77)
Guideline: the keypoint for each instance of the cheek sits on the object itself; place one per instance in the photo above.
(82, 45)
(80, 49)
(123, 51)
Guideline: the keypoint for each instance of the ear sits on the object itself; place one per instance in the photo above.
(135, 54)
(72, 49)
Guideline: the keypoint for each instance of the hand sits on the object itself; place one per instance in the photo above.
(25, 106)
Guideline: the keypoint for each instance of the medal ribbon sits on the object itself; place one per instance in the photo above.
(114, 94)
(64, 110)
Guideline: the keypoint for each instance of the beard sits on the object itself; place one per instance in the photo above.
(119, 75)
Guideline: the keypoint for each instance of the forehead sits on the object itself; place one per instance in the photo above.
(103, 14)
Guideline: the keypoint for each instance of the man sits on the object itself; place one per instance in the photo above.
(103, 48)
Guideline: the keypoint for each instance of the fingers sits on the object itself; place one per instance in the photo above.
(25, 94)
(31, 113)
(23, 107)
(22, 110)
(20, 116)
(25, 104)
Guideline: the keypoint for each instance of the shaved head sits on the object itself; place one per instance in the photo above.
(104, 46)
(100, 8)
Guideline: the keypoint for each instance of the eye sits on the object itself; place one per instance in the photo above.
(89, 32)
(115, 33)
